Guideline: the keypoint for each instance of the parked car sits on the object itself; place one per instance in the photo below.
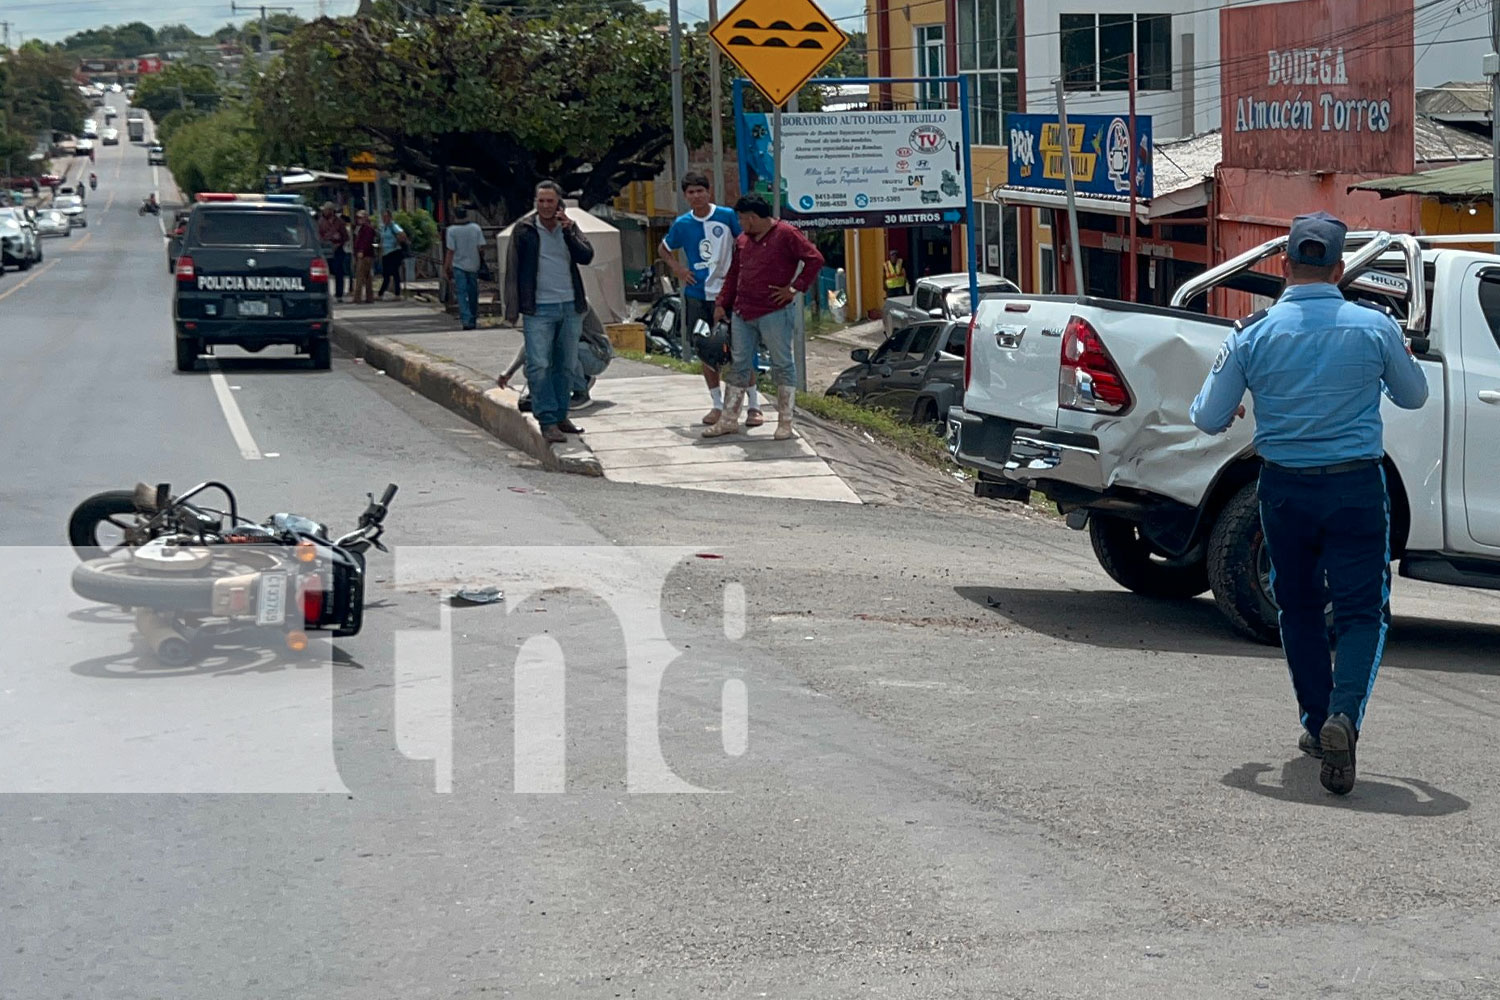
(918, 373)
(50, 180)
(72, 206)
(20, 247)
(52, 222)
(1086, 401)
(941, 296)
(156, 156)
(110, 137)
(22, 183)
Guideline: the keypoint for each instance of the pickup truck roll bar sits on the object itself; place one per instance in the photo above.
(1372, 245)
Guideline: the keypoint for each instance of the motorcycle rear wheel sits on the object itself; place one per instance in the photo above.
(116, 580)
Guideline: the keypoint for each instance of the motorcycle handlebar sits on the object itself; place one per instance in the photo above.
(389, 495)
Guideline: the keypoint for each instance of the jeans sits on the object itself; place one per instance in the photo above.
(776, 331)
(339, 265)
(1333, 528)
(466, 290)
(552, 334)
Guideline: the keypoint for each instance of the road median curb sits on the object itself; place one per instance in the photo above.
(469, 393)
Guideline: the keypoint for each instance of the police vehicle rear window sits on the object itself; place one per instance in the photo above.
(240, 228)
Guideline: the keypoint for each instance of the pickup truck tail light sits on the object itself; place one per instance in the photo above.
(969, 351)
(1088, 378)
(185, 270)
(318, 273)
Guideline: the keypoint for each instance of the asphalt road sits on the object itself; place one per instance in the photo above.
(969, 767)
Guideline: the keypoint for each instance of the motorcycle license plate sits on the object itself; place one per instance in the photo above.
(254, 307)
(270, 607)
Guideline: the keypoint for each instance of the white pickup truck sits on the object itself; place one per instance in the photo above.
(939, 297)
(1086, 401)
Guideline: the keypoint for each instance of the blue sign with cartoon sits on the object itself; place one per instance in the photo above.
(1099, 146)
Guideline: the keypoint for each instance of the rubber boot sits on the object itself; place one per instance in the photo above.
(729, 418)
(784, 400)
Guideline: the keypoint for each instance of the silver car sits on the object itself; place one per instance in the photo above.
(19, 245)
(52, 222)
(72, 206)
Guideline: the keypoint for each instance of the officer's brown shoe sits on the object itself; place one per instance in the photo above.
(1338, 738)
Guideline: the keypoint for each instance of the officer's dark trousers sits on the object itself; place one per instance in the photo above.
(1334, 527)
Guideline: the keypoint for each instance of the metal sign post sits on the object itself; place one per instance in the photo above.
(1067, 156)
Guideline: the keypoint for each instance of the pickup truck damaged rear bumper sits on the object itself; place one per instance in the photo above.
(1025, 454)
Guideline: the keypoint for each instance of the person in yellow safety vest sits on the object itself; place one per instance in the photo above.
(895, 275)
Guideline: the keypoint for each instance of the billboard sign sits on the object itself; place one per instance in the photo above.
(1098, 144)
(1319, 85)
(860, 169)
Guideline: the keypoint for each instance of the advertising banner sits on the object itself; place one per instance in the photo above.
(1319, 85)
(1098, 144)
(860, 169)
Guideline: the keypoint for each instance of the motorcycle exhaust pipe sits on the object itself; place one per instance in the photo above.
(167, 642)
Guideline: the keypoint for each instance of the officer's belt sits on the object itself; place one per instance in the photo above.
(1326, 470)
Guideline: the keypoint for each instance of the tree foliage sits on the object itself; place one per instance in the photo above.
(123, 42)
(39, 93)
(178, 85)
(217, 152)
(486, 104)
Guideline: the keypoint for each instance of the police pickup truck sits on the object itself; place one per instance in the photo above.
(250, 272)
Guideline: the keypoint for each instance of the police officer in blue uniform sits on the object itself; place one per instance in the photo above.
(1316, 365)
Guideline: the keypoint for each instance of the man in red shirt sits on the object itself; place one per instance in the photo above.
(772, 263)
(366, 242)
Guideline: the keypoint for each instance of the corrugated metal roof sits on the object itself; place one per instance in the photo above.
(1437, 142)
(1456, 97)
(1466, 180)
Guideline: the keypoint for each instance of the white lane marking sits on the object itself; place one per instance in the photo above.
(232, 415)
(156, 190)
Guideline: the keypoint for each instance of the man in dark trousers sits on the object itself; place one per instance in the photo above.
(543, 284)
(334, 234)
(1316, 365)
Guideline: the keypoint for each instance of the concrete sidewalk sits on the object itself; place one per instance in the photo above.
(644, 428)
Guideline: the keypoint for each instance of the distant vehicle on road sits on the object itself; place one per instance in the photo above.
(52, 222)
(918, 373)
(91, 129)
(72, 206)
(84, 147)
(110, 113)
(110, 137)
(156, 156)
(136, 127)
(251, 273)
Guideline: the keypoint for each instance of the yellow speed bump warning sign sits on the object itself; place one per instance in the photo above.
(780, 44)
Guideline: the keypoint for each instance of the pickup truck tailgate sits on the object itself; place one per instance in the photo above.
(1014, 357)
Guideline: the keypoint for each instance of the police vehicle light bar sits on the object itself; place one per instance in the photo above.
(207, 196)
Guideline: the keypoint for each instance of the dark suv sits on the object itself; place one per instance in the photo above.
(250, 273)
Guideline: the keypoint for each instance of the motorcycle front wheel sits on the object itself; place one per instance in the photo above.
(102, 524)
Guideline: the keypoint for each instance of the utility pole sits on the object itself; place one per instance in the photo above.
(716, 102)
(5, 26)
(265, 38)
(1067, 155)
(679, 141)
(1492, 70)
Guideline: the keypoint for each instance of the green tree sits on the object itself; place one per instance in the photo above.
(486, 104)
(178, 86)
(124, 42)
(217, 152)
(40, 93)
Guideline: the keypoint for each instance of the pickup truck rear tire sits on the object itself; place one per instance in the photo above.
(1236, 555)
(187, 354)
(1132, 562)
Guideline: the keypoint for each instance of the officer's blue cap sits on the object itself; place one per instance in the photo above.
(1316, 240)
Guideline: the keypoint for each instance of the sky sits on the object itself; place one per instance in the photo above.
(53, 20)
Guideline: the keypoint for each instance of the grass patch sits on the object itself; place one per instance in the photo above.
(662, 361)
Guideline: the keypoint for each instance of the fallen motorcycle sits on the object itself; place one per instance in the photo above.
(194, 574)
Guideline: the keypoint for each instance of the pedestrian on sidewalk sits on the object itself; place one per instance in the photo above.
(393, 241)
(542, 283)
(772, 262)
(705, 235)
(366, 243)
(464, 241)
(895, 274)
(1316, 365)
(333, 234)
